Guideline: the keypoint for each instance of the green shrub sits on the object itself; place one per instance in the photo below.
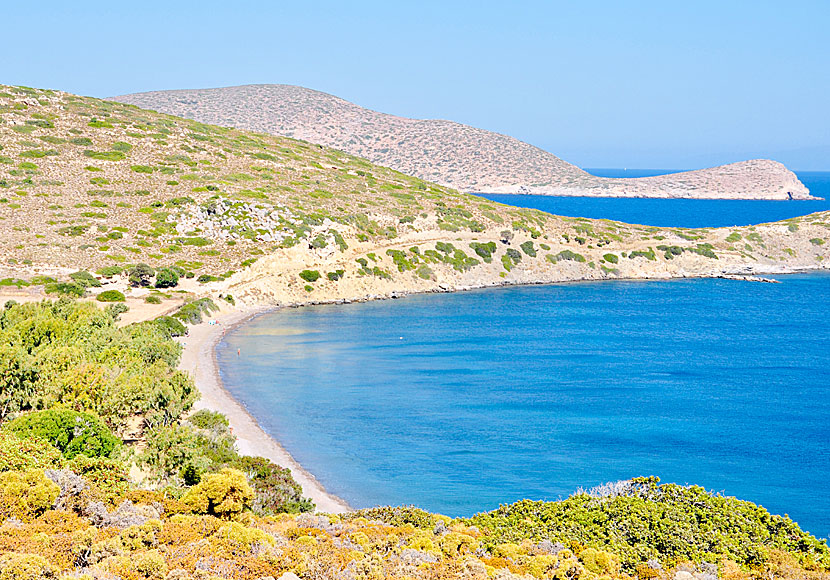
(109, 271)
(310, 275)
(485, 251)
(65, 289)
(105, 155)
(336, 275)
(648, 254)
(71, 432)
(567, 255)
(152, 299)
(527, 248)
(611, 258)
(171, 326)
(17, 454)
(140, 275)
(192, 312)
(167, 278)
(111, 296)
(206, 419)
(275, 491)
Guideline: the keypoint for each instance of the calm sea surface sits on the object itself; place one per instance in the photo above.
(689, 213)
(459, 402)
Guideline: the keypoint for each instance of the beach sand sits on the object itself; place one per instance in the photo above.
(199, 359)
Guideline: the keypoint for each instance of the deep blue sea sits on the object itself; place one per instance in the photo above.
(459, 402)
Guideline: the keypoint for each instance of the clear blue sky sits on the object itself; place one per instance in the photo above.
(656, 84)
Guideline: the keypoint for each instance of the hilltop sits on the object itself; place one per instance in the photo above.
(459, 156)
(99, 185)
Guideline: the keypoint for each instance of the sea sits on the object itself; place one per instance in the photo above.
(457, 403)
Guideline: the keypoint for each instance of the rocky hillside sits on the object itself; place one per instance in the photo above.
(456, 155)
(98, 185)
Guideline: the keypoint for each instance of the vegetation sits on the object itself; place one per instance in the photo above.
(111, 296)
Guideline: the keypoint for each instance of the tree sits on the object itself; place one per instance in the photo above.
(140, 275)
(18, 380)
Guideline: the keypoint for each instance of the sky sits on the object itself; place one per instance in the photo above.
(600, 83)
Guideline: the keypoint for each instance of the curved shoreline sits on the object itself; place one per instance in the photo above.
(199, 359)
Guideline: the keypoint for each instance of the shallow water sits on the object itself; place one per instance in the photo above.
(459, 402)
(689, 213)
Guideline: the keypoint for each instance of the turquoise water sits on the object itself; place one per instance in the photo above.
(459, 402)
(689, 213)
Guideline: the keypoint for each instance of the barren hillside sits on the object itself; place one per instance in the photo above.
(452, 154)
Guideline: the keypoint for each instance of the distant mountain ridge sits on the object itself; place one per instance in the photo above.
(449, 153)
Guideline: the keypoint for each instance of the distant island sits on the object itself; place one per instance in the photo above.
(451, 154)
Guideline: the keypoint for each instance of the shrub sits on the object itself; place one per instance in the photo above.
(566, 255)
(71, 432)
(192, 312)
(611, 258)
(274, 488)
(109, 271)
(648, 254)
(108, 476)
(152, 299)
(116, 310)
(65, 288)
(485, 251)
(224, 494)
(18, 454)
(16, 566)
(170, 326)
(111, 296)
(527, 248)
(140, 275)
(26, 494)
(639, 519)
(105, 155)
(167, 278)
(85, 279)
(310, 275)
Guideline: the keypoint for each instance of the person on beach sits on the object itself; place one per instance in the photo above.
(238, 352)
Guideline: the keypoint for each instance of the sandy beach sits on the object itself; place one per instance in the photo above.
(199, 359)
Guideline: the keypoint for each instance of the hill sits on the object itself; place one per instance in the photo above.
(99, 185)
(456, 155)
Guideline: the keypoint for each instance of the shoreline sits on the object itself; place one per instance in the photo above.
(199, 359)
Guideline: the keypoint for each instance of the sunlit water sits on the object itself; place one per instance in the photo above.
(689, 213)
(459, 402)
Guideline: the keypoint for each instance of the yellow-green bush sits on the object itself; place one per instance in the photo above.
(26, 567)
(26, 494)
(224, 494)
